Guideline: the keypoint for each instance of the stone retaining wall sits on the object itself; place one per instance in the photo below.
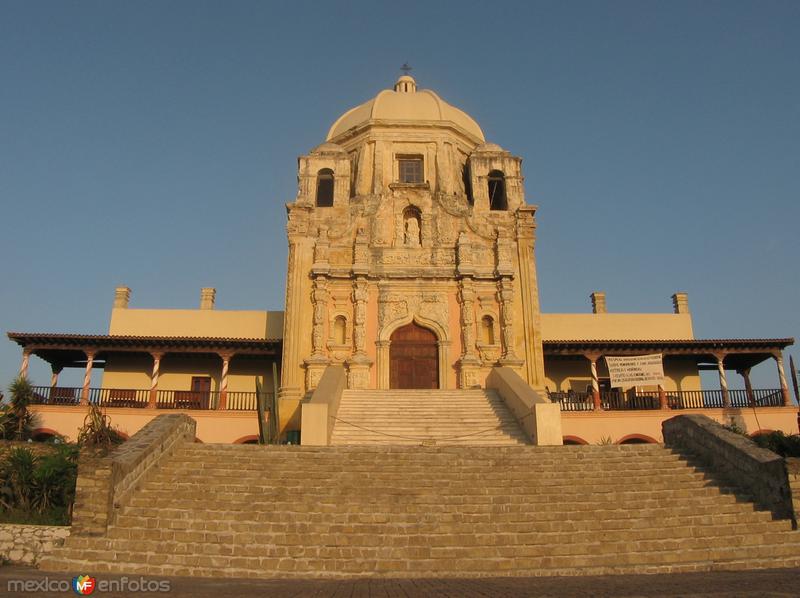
(105, 482)
(26, 544)
(735, 458)
(793, 472)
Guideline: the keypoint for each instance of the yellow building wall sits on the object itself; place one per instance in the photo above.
(176, 372)
(196, 322)
(616, 326)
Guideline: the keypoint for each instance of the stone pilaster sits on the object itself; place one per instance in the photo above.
(469, 365)
(506, 292)
(529, 293)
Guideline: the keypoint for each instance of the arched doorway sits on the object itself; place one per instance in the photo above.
(413, 358)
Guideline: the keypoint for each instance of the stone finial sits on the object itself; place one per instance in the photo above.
(122, 296)
(207, 297)
(680, 303)
(598, 302)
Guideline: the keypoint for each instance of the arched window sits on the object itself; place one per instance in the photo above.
(467, 184)
(325, 188)
(497, 191)
(487, 330)
(339, 330)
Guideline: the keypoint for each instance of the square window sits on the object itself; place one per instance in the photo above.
(410, 170)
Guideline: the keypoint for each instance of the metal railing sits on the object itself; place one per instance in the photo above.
(675, 399)
(622, 401)
(573, 401)
(140, 398)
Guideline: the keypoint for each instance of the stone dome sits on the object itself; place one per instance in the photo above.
(405, 103)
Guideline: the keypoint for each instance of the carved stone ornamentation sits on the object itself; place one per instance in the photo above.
(411, 232)
(360, 311)
(322, 247)
(506, 290)
(467, 300)
(361, 251)
(394, 306)
(464, 254)
(319, 299)
(504, 250)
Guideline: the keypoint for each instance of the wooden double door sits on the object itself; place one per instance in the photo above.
(413, 358)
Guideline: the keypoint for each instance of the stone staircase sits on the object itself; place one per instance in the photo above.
(414, 417)
(396, 511)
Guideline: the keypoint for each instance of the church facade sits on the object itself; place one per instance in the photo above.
(411, 265)
(411, 253)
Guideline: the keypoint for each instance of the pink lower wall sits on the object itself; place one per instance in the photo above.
(212, 426)
(593, 427)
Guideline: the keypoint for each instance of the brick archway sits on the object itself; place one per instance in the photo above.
(573, 440)
(637, 439)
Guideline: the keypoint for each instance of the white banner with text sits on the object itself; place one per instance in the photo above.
(641, 370)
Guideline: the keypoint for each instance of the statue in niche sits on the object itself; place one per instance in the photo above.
(411, 229)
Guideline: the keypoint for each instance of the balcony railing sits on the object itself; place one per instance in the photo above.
(676, 399)
(139, 398)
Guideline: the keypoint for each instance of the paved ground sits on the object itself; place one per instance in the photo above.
(772, 582)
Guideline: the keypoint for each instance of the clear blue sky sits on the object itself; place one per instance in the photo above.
(154, 143)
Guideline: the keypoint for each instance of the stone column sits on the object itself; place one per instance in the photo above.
(87, 377)
(748, 387)
(723, 381)
(26, 359)
(598, 404)
(382, 348)
(469, 364)
(787, 400)
(154, 379)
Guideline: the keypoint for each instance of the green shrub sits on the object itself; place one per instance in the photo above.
(16, 421)
(778, 442)
(38, 489)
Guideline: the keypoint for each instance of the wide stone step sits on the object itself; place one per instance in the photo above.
(401, 502)
(391, 484)
(556, 531)
(472, 561)
(489, 480)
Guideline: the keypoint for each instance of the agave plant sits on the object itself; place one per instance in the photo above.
(97, 430)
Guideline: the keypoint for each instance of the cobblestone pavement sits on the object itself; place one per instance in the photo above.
(771, 582)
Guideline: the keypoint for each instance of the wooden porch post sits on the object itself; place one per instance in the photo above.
(662, 398)
(56, 370)
(26, 358)
(87, 378)
(748, 387)
(723, 381)
(223, 381)
(787, 400)
(597, 403)
(154, 379)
